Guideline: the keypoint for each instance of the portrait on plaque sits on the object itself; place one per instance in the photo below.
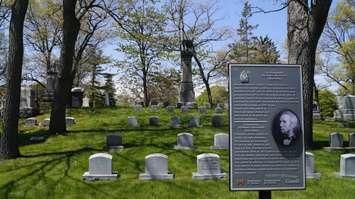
(286, 128)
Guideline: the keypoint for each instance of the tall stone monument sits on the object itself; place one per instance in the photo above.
(346, 108)
(187, 93)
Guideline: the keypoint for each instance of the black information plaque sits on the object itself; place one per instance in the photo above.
(266, 127)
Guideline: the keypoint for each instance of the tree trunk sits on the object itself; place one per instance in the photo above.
(71, 27)
(204, 79)
(305, 25)
(9, 137)
(145, 90)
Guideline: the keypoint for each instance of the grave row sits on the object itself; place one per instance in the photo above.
(183, 108)
(33, 121)
(193, 121)
(208, 167)
(337, 142)
(184, 141)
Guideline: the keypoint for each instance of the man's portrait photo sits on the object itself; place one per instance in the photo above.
(286, 128)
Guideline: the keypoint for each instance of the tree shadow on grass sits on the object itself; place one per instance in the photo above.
(42, 169)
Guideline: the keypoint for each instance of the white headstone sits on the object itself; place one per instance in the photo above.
(185, 141)
(31, 121)
(86, 101)
(100, 167)
(221, 141)
(70, 121)
(347, 165)
(156, 167)
(310, 170)
(208, 167)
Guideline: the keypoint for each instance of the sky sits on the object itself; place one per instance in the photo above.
(228, 14)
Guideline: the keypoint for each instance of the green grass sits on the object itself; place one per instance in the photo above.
(54, 168)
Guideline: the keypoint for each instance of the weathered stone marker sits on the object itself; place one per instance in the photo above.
(156, 168)
(208, 167)
(100, 168)
(347, 165)
(185, 141)
(310, 170)
(221, 141)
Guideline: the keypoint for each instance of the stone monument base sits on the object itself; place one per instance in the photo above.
(200, 176)
(315, 176)
(91, 177)
(147, 176)
(337, 174)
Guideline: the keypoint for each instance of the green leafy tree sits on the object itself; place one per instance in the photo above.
(265, 51)
(219, 95)
(165, 86)
(327, 103)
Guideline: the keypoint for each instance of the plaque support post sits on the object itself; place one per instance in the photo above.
(264, 194)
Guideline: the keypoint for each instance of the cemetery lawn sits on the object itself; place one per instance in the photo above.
(54, 168)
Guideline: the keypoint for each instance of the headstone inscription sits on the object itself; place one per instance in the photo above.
(310, 171)
(347, 165)
(185, 141)
(156, 168)
(208, 167)
(114, 141)
(132, 121)
(221, 141)
(100, 168)
(266, 113)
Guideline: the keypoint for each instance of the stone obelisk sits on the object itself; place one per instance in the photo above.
(187, 93)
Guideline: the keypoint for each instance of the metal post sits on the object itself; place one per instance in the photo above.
(264, 194)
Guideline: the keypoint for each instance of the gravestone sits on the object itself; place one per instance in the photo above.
(193, 122)
(217, 120)
(175, 122)
(346, 108)
(132, 121)
(156, 168)
(86, 102)
(207, 105)
(185, 141)
(170, 109)
(153, 103)
(37, 139)
(114, 141)
(77, 95)
(45, 122)
(28, 105)
(221, 141)
(310, 171)
(184, 109)
(191, 105)
(70, 121)
(208, 167)
(154, 108)
(100, 168)
(316, 111)
(202, 110)
(138, 107)
(218, 109)
(107, 99)
(352, 140)
(154, 121)
(31, 121)
(347, 165)
(336, 140)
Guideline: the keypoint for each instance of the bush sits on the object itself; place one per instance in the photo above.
(327, 103)
(219, 95)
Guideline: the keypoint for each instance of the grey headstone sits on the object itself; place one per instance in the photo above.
(70, 121)
(114, 141)
(346, 108)
(191, 105)
(77, 95)
(154, 121)
(352, 140)
(154, 108)
(207, 105)
(336, 140)
(45, 122)
(217, 120)
(347, 165)
(137, 107)
(310, 170)
(100, 167)
(221, 141)
(184, 109)
(185, 141)
(175, 121)
(132, 121)
(218, 109)
(170, 109)
(31, 121)
(156, 167)
(221, 105)
(202, 110)
(193, 122)
(208, 167)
